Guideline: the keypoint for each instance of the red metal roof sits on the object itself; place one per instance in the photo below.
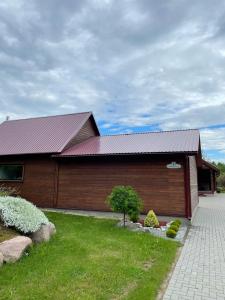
(40, 135)
(152, 142)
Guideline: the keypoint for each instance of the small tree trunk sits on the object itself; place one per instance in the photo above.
(124, 216)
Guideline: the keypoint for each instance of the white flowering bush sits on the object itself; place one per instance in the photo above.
(21, 214)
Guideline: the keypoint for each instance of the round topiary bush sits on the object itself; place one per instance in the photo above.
(124, 199)
(178, 221)
(174, 227)
(21, 214)
(171, 233)
(175, 223)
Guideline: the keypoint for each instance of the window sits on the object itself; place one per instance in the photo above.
(11, 172)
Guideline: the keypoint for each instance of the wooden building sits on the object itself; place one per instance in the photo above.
(207, 174)
(64, 162)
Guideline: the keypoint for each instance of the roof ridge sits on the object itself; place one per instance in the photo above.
(43, 117)
(146, 132)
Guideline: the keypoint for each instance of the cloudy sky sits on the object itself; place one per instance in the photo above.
(138, 65)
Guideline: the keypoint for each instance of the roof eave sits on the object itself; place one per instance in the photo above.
(126, 154)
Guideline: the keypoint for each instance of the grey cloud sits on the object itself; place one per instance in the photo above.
(131, 62)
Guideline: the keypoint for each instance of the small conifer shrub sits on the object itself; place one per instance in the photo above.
(151, 220)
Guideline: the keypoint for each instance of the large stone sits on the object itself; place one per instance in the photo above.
(44, 233)
(129, 224)
(14, 248)
(1, 259)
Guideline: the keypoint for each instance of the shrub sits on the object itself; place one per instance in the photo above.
(174, 227)
(171, 233)
(220, 190)
(21, 214)
(133, 216)
(124, 199)
(8, 191)
(176, 223)
(221, 181)
(151, 220)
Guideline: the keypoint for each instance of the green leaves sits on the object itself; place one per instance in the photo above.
(151, 220)
(124, 199)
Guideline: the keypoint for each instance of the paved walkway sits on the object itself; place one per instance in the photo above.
(200, 270)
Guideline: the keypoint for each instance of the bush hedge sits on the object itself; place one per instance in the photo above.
(20, 214)
(171, 233)
(173, 229)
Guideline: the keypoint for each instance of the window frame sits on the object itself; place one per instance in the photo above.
(13, 164)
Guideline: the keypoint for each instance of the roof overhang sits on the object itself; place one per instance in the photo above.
(124, 154)
(207, 165)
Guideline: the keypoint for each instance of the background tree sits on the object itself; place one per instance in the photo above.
(221, 178)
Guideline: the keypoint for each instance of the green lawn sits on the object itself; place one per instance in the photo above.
(89, 259)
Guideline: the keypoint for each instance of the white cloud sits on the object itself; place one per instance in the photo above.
(133, 63)
(213, 139)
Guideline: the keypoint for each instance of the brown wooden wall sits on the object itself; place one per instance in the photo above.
(38, 185)
(86, 184)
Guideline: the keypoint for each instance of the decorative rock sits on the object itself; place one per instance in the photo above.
(129, 224)
(158, 232)
(139, 225)
(1, 259)
(146, 229)
(52, 228)
(13, 249)
(44, 233)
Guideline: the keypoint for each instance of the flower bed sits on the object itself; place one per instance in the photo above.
(160, 231)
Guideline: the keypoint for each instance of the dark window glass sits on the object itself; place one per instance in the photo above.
(11, 172)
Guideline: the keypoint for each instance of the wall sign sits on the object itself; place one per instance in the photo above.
(173, 165)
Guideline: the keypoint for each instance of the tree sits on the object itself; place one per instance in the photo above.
(221, 181)
(220, 166)
(221, 178)
(125, 200)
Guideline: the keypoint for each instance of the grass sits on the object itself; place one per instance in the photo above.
(6, 233)
(89, 258)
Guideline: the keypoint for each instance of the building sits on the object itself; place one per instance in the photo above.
(64, 162)
(207, 173)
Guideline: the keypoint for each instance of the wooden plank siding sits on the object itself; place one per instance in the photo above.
(38, 179)
(85, 184)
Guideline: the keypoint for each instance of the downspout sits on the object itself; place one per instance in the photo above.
(187, 188)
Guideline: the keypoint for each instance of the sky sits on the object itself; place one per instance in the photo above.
(138, 65)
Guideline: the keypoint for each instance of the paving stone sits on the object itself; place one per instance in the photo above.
(200, 270)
